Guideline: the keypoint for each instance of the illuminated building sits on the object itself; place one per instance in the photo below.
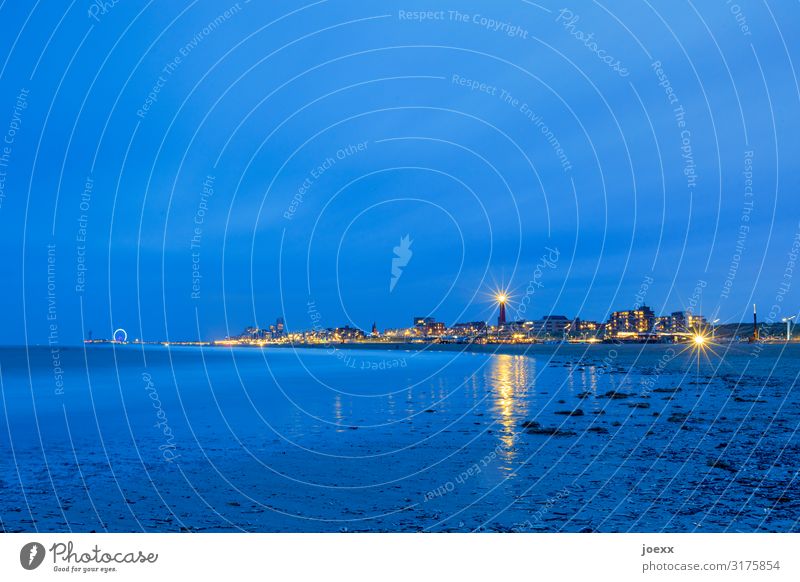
(468, 331)
(347, 333)
(695, 322)
(469, 328)
(428, 326)
(663, 323)
(252, 333)
(550, 326)
(581, 328)
(631, 322)
(435, 328)
(276, 330)
(680, 322)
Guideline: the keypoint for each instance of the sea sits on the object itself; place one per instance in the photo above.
(560, 438)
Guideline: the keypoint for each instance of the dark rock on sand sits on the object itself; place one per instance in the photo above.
(616, 395)
(576, 412)
(598, 429)
(678, 417)
(549, 431)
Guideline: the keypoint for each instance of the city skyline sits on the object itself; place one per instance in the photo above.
(502, 308)
(637, 322)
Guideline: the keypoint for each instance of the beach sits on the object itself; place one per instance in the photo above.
(571, 438)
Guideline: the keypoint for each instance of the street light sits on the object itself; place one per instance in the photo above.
(788, 321)
(713, 329)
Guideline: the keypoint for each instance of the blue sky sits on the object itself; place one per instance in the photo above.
(331, 130)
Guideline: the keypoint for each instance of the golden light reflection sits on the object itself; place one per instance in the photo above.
(507, 377)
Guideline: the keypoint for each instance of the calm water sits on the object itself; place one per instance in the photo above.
(276, 440)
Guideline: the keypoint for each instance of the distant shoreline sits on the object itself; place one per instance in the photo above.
(504, 349)
(499, 348)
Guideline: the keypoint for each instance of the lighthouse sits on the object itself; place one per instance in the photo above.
(501, 300)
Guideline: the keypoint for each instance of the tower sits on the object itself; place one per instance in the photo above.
(501, 318)
(755, 324)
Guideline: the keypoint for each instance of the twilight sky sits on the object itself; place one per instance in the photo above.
(186, 169)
